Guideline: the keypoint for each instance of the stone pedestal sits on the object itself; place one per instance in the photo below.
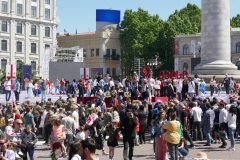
(215, 39)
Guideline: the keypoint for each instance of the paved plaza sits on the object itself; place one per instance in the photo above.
(145, 151)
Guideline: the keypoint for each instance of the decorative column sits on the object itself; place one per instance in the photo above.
(215, 39)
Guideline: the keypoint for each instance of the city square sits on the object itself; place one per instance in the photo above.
(119, 80)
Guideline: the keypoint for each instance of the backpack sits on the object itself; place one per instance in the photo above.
(43, 86)
(235, 85)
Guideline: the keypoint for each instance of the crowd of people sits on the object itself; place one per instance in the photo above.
(78, 129)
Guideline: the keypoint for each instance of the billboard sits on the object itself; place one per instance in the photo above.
(106, 15)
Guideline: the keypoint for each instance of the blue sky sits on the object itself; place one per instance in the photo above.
(81, 14)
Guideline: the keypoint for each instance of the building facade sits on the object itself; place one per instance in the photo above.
(184, 48)
(28, 27)
(101, 48)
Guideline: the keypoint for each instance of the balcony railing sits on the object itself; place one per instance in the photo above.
(112, 57)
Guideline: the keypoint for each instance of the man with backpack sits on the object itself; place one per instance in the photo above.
(43, 88)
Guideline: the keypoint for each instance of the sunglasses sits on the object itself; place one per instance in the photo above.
(1, 143)
(19, 123)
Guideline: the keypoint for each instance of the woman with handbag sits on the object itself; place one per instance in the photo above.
(160, 143)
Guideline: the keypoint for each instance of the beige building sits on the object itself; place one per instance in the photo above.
(186, 45)
(101, 49)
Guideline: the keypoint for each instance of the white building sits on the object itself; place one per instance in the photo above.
(27, 27)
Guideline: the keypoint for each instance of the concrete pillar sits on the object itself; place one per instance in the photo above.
(27, 8)
(215, 39)
(41, 10)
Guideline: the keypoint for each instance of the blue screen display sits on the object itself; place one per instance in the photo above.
(107, 15)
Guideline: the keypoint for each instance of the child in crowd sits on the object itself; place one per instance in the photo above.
(57, 132)
(112, 142)
(218, 89)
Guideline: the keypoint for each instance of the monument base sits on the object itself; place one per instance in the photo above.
(216, 72)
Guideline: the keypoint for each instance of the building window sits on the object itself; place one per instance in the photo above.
(84, 53)
(19, 9)
(108, 52)
(47, 13)
(33, 48)
(33, 30)
(47, 1)
(97, 52)
(19, 47)
(92, 52)
(185, 66)
(34, 11)
(19, 28)
(4, 6)
(33, 64)
(4, 26)
(108, 70)
(238, 48)
(47, 46)
(238, 65)
(3, 63)
(4, 45)
(34, 0)
(185, 50)
(18, 63)
(114, 72)
(47, 31)
(113, 52)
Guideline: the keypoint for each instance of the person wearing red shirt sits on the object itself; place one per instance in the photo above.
(62, 83)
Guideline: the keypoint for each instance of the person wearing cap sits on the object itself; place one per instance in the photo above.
(70, 130)
(47, 123)
(9, 132)
(127, 126)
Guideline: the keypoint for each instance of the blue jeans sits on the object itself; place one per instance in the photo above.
(57, 88)
(8, 95)
(231, 132)
(206, 131)
(190, 94)
(182, 152)
(43, 95)
(31, 153)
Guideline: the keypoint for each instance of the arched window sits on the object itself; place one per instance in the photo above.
(238, 48)
(114, 72)
(238, 65)
(185, 49)
(185, 66)
(108, 70)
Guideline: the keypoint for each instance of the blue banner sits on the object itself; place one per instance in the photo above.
(106, 15)
(98, 71)
(26, 76)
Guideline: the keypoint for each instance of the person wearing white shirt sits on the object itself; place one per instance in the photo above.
(191, 88)
(151, 83)
(179, 89)
(111, 83)
(196, 80)
(229, 105)
(7, 85)
(123, 82)
(157, 86)
(231, 120)
(196, 113)
(222, 121)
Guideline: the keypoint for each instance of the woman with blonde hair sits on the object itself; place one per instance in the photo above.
(6, 147)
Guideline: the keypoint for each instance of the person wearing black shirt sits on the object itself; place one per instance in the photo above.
(98, 128)
(226, 83)
(81, 91)
(184, 121)
(127, 127)
(142, 116)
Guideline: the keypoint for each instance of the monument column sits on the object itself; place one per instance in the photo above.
(215, 39)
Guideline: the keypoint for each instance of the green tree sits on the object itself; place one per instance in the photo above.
(139, 31)
(19, 73)
(184, 21)
(235, 21)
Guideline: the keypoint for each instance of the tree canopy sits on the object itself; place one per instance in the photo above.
(235, 21)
